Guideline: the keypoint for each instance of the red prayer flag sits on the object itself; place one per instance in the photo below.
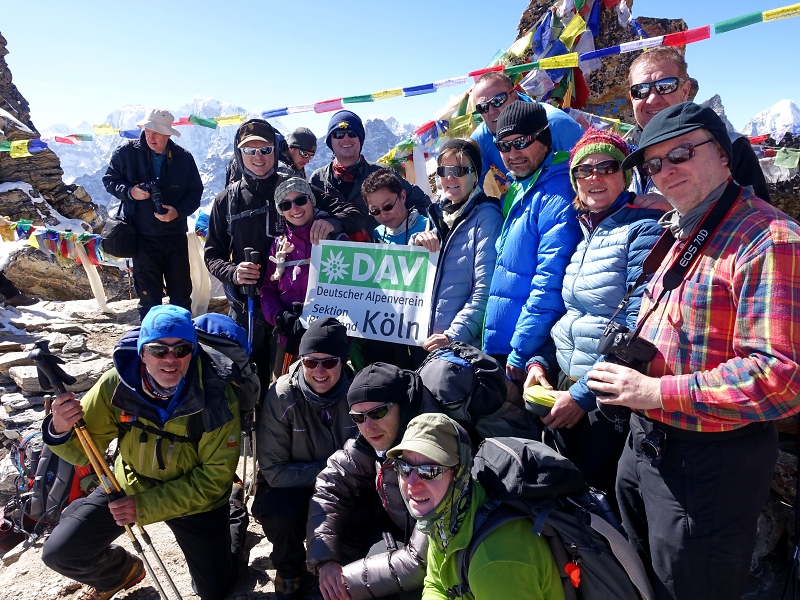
(479, 72)
(611, 3)
(759, 139)
(681, 38)
(328, 105)
(64, 140)
(423, 128)
(182, 121)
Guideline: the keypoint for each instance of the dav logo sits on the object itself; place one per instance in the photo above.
(382, 268)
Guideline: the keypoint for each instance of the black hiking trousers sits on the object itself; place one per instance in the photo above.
(80, 547)
(160, 260)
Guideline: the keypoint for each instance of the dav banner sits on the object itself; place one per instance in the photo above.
(378, 291)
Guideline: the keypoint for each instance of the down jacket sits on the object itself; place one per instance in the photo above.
(196, 475)
(466, 266)
(607, 261)
(179, 180)
(292, 442)
(534, 248)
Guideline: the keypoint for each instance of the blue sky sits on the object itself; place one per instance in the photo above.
(80, 64)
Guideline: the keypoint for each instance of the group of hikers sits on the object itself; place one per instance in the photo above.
(644, 287)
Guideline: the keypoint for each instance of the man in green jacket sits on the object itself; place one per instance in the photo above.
(178, 429)
(433, 465)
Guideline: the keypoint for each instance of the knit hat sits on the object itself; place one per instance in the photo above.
(160, 121)
(255, 130)
(434, 436)
(467, 147)
(326, 336)
(344, 119)
(293, 184)
(379, 382)
(675, 121)
(302, 138)
(524, 118)
(166, 321)
(598, 141)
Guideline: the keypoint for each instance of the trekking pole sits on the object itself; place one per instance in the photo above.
(250, 291)
(52, 376)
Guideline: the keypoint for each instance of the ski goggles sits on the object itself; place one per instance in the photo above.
(327, 363)
(497, 102)
(607, 167)
(305, 154)
(668, 85)
(424, 472)
(300, 200)
(376, 414)
(179, 350)
(456, 171)
(263, 151)
(678, 156)
(339, 134)
(376, 211)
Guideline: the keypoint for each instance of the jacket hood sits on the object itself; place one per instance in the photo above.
(277, 153)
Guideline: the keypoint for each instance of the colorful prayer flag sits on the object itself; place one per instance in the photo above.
(19, 149)
(300, 108)
(105, 129)
(635, 45)
(328, 105)
(203, 121)
(275, 112)
(479, 72)
(131, 134)
(182, 121)
(563, 61)
(356, 99)
(417, 90)
(65, 140)
(453, 81)
(787, 159)
(227, 120)
(576, 27)
(518, 48)
(385, 94)
(681, 38)
(782, 13)
(737, 22)
(460, 126)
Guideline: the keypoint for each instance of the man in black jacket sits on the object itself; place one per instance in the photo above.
(348, 169)
(159, 186)
(244, 215)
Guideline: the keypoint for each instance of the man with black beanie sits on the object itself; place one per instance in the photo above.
(539, 235)
(302, 422)
(383, 399)
(344, 175)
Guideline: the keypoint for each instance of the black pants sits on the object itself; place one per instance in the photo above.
(80, 547)
(283, 513)
(694, 516)
(263, 342)
(159, 260)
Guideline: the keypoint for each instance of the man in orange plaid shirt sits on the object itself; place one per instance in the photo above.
(699, 461)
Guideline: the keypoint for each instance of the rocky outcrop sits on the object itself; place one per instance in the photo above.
(42, 170)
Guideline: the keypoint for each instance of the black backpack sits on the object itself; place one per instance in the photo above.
(470, 387)
(527, 480)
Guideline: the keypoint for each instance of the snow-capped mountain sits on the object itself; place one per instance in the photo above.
(86, 162)
(715, 103)
(777, 119)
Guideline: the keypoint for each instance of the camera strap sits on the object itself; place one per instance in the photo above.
(683, 262)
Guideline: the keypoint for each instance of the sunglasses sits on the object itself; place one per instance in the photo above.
(327, 363)
(607, 167)
(424, 472)
(679, 155)
(376, 211)
(668, 85)
(179, 350)
(300, 200)
(339, 134)
(305, 154)
(457, 171)
(497, 102)
(376, 414)
(263, 151)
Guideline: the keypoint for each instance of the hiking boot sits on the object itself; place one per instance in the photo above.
(237, 495)
(135, 575)
(21, 300)
(287, 588)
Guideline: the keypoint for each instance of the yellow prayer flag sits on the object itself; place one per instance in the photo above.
(229, 120)
(19, 149)
(460, 126)
(564, 61)
(782, 13)
(576, 27)
(387, 94)
(104, 129)
(518, 48)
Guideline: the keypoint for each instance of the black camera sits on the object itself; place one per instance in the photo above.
(653, 446)
(621, 347)
(154, 189)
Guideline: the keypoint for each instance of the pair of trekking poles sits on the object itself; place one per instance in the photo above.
(52, 376)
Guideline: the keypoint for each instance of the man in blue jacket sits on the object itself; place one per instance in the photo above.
(159, 186)
(538, 238)
(492, 93)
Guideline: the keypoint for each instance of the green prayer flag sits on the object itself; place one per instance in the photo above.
(737, 22)
(460, 126)
(354, 99)
(786, 158)
(524, 68)
(203, 122)
(579, 4)
(462, 107)
(5, 146)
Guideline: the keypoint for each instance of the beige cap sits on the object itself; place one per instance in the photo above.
(160, 121)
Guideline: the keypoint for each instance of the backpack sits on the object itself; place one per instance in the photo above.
(526, 479)
(470, 387)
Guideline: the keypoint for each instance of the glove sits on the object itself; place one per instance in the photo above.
(285, 322)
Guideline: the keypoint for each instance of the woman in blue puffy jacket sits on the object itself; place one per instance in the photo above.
(617, 237)
(463, 226)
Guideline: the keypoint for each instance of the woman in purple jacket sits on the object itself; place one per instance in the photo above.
(286, 278)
